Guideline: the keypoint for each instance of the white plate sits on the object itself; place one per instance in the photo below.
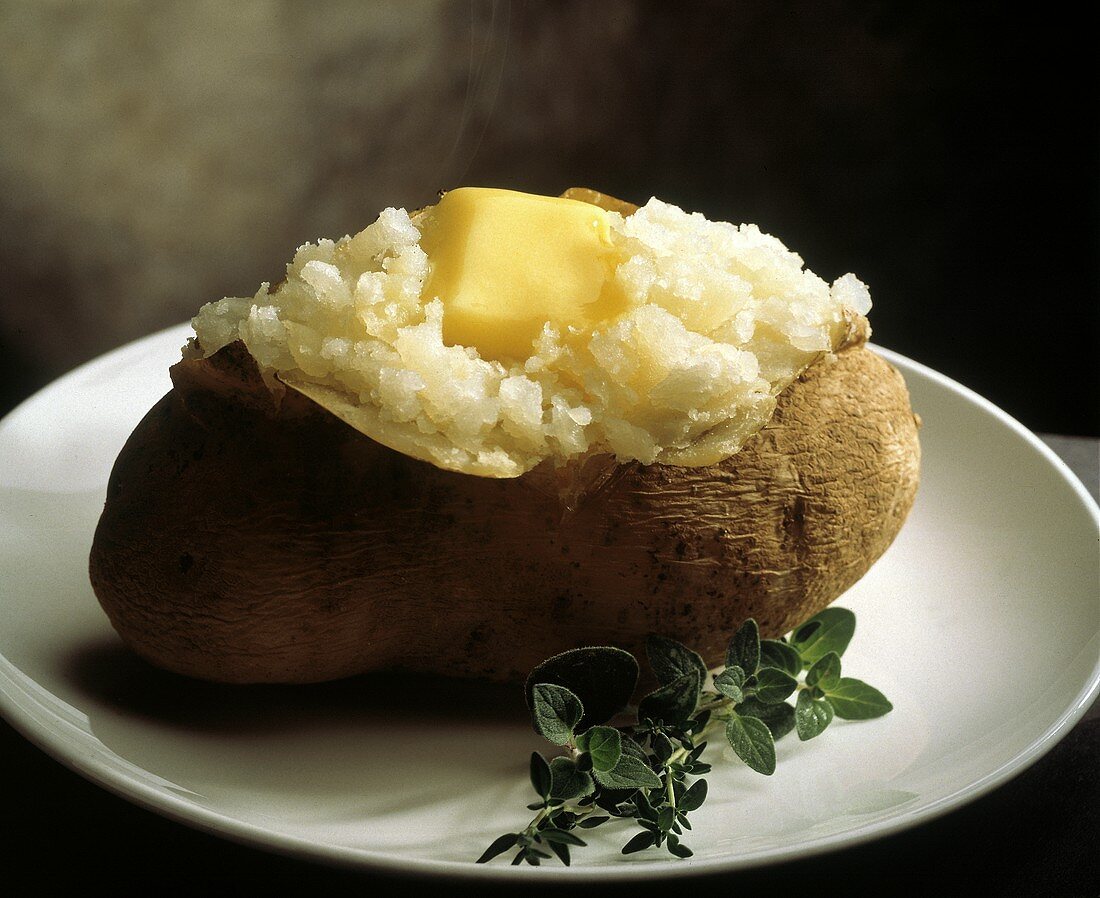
(981, 623)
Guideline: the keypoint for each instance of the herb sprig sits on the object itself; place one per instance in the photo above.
(651, 771)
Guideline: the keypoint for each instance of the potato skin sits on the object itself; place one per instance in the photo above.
(249, 536)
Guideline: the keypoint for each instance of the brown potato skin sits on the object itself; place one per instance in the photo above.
(249, 536)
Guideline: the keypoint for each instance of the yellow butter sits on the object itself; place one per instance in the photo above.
(504, 263)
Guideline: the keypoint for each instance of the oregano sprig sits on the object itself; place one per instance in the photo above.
(650, 772)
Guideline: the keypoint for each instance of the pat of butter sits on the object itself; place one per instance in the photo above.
(504, 263)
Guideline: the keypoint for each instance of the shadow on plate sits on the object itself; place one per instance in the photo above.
(109, 674)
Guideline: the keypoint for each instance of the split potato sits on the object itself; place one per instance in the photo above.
(250, 536)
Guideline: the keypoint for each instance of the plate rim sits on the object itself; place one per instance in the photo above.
(17, 707)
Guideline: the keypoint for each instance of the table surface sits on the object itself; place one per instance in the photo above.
(1035, 835)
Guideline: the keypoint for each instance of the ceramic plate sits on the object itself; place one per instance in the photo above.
(981, 623)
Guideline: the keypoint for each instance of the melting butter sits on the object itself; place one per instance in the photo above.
(504, 263)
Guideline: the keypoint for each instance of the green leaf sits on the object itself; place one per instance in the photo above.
(674, 702)
(665, 818)
(602, 677)
(540, 775)
(645, 809)
(662, 747)
(811, 715)
(592, 822)
(556, 712)
(752, 741)
(631, 773)
(567, 781)
(774, 685)
(634, 750)
(694, 797)
(736, 674)
(562, 851)
(781, 656)
(603, 744)
(561, 836)
(640, 842)
(824, 672)
(729, 682)
(499, 846)
(670, 659)
(854, 700)
(834, 630)
(804, 632)
(744, 648)
(610, 799)
(679, 849)
(778, 718)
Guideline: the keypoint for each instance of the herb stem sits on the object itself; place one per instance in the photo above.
(539, 817)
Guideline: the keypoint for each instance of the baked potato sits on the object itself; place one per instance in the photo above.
(250, 534)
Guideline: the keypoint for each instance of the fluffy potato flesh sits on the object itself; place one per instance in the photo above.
(497, 330)
(250, 536)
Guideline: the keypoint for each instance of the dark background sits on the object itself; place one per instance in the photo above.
(156, 157)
